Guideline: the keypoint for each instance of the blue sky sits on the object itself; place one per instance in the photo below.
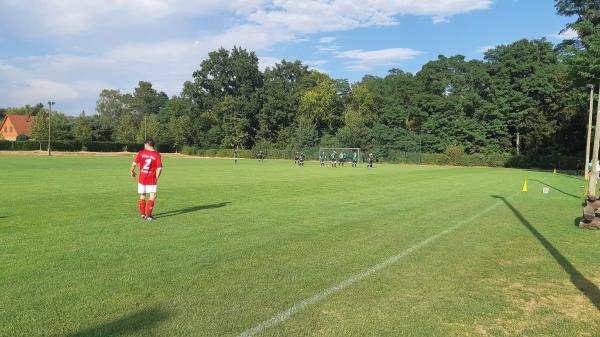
(69, 50)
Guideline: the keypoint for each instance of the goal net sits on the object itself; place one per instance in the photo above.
(346, 152)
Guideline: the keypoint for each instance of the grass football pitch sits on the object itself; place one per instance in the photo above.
(273, 249)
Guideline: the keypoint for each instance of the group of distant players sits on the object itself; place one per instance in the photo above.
(299, 159)
(150, 163)
(336, 158)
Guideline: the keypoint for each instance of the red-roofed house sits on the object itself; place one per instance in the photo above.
(14, 125)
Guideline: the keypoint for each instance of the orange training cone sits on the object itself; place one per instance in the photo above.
(525, 189)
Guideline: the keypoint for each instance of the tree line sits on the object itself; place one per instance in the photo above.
(528, 97)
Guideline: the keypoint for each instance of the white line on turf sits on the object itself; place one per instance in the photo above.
(285, 315)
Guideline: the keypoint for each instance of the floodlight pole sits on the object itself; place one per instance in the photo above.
(589, 133)
(145, 137)
(50, 104)
(594, 177)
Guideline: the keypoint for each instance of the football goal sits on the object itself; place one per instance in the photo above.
(349, 151)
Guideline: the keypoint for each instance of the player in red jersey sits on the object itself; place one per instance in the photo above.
(150, 170)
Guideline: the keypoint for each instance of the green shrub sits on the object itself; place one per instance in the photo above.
(497, 159)
(210, 153)
(454, 154)
(434, 159)
(69, 146)
(165, 148)
(224, 153)
(21, 138)
(477, 159)
(188, 150)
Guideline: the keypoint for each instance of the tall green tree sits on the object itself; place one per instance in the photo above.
(179, 131)
(582, 52)
(150, 128)
(280, 97)
(523, 76)
(226, 75)
(39, 127)
(126, 129)
(82, 130)
(146, 100)
(236, 127)
(318, 105)
(111, 104)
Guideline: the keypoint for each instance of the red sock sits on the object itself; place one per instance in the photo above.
(142, 204)
(149, 207)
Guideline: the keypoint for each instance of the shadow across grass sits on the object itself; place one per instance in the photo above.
(585, 286)
(557, 189)
(576, 175)
(191, 209)
(140, 320)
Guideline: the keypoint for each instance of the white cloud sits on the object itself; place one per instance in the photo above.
(167, 64)
(311, 16)
(327, 49)
(301, 40)
(115, 43)
(440, 19)
(316, 62)
(270, 62)
(317, 65)
(327, 39)
(360, 60)
(20, 86)
(265, 62)
(483, 49)
(74, 17)
(249, 36)
(568, 34)
(74, 81)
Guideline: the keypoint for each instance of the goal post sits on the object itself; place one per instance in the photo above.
(338, 150)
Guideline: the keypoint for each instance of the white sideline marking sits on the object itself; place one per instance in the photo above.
(285, 315)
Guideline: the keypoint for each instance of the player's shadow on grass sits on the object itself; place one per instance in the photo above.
(141, 320)
(585, 286)
(559, 190)
(191, 209)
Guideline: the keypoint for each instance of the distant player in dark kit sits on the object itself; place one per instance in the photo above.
(333, 158)
(301, 159)
(354, 159)
(150, 170)
(236, 155)
(322, 158)
(345, 156)
(260, 156)
(370, 160)
(296, 158)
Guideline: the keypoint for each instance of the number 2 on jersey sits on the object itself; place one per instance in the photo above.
(147, 163)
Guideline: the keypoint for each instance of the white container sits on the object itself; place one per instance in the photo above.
(546, 190)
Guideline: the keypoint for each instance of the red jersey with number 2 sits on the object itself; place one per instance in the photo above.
(149, 162)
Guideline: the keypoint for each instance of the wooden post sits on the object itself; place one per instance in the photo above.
(594, 178)
(589, 134)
